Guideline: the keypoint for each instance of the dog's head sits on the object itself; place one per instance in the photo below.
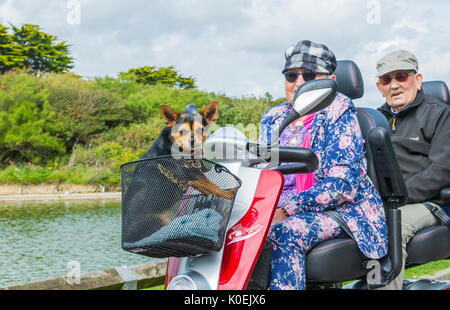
(189, 130)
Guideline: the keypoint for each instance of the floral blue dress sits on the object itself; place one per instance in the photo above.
(340, 183)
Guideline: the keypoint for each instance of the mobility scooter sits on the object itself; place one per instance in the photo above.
(216, 243)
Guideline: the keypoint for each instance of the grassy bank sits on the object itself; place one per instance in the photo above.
(59, 128)
(427, 269)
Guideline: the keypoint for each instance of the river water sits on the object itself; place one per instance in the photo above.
(44, 240)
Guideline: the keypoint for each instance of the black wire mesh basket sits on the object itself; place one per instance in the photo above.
(175, 207)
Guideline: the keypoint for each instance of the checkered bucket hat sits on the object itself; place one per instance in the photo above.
(312, 56)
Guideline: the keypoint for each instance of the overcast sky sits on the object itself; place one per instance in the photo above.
(236, 47)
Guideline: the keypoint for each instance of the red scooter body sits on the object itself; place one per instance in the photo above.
(245, 240)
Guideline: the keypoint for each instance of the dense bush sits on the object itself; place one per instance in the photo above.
(84, 109)
(29, 127)
(59, 127)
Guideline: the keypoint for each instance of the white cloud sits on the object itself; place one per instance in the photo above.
(408, 23)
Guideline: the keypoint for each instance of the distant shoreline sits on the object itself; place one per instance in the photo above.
(60, 197)
(42, 192)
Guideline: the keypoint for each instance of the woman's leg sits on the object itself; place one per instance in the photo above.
(291, 239)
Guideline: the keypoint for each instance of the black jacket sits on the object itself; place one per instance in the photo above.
(421, 138)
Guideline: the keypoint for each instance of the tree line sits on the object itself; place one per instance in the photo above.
(39, 53)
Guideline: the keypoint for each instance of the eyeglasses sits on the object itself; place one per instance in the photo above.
(401, 76)
(292, 76)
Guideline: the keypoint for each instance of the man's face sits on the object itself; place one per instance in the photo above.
(291, 87)
(400, 94)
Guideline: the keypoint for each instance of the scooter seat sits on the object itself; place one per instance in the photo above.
(339, 260)
(429, 244)
(335, 260)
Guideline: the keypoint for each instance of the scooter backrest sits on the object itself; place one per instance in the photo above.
(369, 119)
(437, 89)
(390, 183)
(349, 79)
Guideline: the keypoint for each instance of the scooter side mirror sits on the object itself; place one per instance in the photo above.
(310, 97)
(314, 96)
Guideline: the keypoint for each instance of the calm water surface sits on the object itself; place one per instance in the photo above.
(39, 240)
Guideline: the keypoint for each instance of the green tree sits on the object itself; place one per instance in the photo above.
(41, 51)
(10, 52)
(150, 75)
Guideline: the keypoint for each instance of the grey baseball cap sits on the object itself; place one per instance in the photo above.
(310, 55)
(398, 60)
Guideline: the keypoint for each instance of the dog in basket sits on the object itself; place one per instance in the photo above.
(163, 184)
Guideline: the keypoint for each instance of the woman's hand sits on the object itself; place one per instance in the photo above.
(278, 216)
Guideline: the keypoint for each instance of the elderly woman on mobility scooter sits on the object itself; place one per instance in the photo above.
(340, 183)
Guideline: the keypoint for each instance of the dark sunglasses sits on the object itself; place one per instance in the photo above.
(292, 76)
(401, 76)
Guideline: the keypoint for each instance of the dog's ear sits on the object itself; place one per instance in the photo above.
(170, 116)
(211, 112)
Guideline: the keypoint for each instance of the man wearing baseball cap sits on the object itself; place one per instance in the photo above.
(420, 129)
(340, 183)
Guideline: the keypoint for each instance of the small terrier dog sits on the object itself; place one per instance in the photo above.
(185, 134)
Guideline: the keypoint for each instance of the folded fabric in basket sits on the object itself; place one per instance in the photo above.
(204, 224)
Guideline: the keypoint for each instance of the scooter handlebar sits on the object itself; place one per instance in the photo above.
(295, 168)
(445, 195)
(303, 159)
